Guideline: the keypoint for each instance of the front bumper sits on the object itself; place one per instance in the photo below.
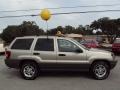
(116, 50)
(113, 64)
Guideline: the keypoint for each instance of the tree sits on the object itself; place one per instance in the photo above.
(27, 28)
(30, 29)
(0, 36)
(54, 30)
(10, 33)
(117, 31)
(69, 29)
(80, 30)
(109, 27)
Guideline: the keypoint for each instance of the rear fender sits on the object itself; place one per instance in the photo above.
(30, 57)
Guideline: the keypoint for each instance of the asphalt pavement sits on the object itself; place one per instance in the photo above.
(10, 79)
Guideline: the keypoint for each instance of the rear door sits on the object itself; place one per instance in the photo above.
(44, 48)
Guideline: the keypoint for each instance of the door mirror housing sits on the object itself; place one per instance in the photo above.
(79, 51)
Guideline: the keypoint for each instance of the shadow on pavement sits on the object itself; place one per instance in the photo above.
(68, 74)
(13, 73)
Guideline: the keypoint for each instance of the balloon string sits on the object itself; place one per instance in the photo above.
(47, 28)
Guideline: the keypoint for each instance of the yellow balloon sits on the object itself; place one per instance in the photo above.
(45, 14)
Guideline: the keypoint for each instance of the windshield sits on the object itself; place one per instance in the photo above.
(80, 44)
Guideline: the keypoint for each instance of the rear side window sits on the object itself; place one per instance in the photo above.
(22, 44)
(44, 45)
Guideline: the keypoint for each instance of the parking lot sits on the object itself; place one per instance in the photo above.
(10, 79)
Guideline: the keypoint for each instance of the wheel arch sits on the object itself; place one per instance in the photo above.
(101, 60)
(27, 60)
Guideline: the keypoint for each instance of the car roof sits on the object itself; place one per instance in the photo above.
(42, 37)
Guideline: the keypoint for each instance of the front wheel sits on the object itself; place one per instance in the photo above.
(100, 70)
(29, 70)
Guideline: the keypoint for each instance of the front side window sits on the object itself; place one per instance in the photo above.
(22, 44)
(44, 45)
(66, 46)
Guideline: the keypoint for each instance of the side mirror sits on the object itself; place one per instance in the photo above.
(79, 51)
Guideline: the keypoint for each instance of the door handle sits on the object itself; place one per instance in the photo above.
(61, 54)
(36, 53)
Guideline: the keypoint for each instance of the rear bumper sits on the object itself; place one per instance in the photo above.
(12, 63)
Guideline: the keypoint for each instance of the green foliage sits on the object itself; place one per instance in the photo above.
(109, 27)
(69, 29)
(0, 35)
(25, 29)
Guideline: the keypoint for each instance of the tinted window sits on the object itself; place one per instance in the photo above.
(44, 45)
(23, 44)
(66, 46)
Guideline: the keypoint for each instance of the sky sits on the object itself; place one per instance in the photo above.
(59, 20)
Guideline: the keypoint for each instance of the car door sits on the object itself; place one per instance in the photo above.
(70, 55)
(45, 49)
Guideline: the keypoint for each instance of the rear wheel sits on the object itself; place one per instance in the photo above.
(29, 70)
(100, 70)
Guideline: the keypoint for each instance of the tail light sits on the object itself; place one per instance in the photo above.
(7, 54)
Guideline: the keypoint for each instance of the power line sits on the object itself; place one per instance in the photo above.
(32, 15)
(15, 16)
(107, 5)
(86, 12)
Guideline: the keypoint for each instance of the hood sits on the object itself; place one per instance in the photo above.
(99, 50)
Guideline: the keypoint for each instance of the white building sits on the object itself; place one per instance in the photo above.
(2, 49)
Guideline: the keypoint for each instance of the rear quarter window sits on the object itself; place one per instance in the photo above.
(22, 44)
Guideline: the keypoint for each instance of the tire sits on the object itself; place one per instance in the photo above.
(29, 70)
(100, 70)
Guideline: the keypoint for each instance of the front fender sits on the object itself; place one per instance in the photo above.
(94, 58)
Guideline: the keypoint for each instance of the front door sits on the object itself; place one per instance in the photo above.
(70, 55)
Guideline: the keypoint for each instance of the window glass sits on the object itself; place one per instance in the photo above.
(80, 44)
(44, 45)
(23, 44)
(66, 46)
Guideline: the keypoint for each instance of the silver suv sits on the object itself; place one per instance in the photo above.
(32, 54)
